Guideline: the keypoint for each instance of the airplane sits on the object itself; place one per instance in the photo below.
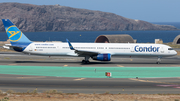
(96, 51)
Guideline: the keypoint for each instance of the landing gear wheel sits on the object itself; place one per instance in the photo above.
(157, 63)
(85, 62)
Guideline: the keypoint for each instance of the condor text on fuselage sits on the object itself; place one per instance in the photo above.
(146, 49)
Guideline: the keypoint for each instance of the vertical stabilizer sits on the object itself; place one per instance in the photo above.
(16, 37)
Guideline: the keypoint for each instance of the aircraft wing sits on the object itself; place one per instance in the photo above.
(82, 52)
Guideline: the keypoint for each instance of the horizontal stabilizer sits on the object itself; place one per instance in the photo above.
(16, 48)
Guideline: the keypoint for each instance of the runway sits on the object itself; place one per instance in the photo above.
(23, 83)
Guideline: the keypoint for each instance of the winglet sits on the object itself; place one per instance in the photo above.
(70, 46)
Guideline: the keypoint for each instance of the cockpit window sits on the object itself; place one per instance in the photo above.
(170, 49)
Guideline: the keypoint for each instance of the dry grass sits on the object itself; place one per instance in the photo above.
(5, 50)
(178, 52)
(54, 95)
(172, 45)
(3, 43)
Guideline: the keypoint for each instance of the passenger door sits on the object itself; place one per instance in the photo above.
(161, 50)
(132, 49)
(30, 48)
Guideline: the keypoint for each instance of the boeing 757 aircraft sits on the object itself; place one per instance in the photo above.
(96, 51)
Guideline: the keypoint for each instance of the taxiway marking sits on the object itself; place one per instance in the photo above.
(120, 65)
(153, 81)
(79, 79)
(37, 77)
(176, 65)
(12, 64)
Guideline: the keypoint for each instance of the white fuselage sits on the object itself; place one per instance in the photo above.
(115, 49)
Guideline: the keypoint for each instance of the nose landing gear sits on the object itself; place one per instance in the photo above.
(158, 60)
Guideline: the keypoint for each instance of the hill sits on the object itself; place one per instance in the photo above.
(31, 18)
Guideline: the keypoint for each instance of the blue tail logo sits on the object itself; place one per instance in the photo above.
(15, 36)
(13, 33)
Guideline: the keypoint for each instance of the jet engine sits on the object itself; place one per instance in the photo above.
(102, 57)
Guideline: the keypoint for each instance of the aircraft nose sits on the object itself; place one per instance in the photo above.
(175, 53)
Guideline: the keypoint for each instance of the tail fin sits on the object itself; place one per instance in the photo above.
(15, 36)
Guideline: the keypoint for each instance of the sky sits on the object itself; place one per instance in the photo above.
(147, 10)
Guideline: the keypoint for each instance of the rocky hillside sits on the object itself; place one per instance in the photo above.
(32, 18)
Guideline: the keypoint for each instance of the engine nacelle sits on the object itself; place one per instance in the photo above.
(102, 57)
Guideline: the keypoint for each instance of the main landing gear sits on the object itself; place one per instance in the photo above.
(86, 61)
(158, 60)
